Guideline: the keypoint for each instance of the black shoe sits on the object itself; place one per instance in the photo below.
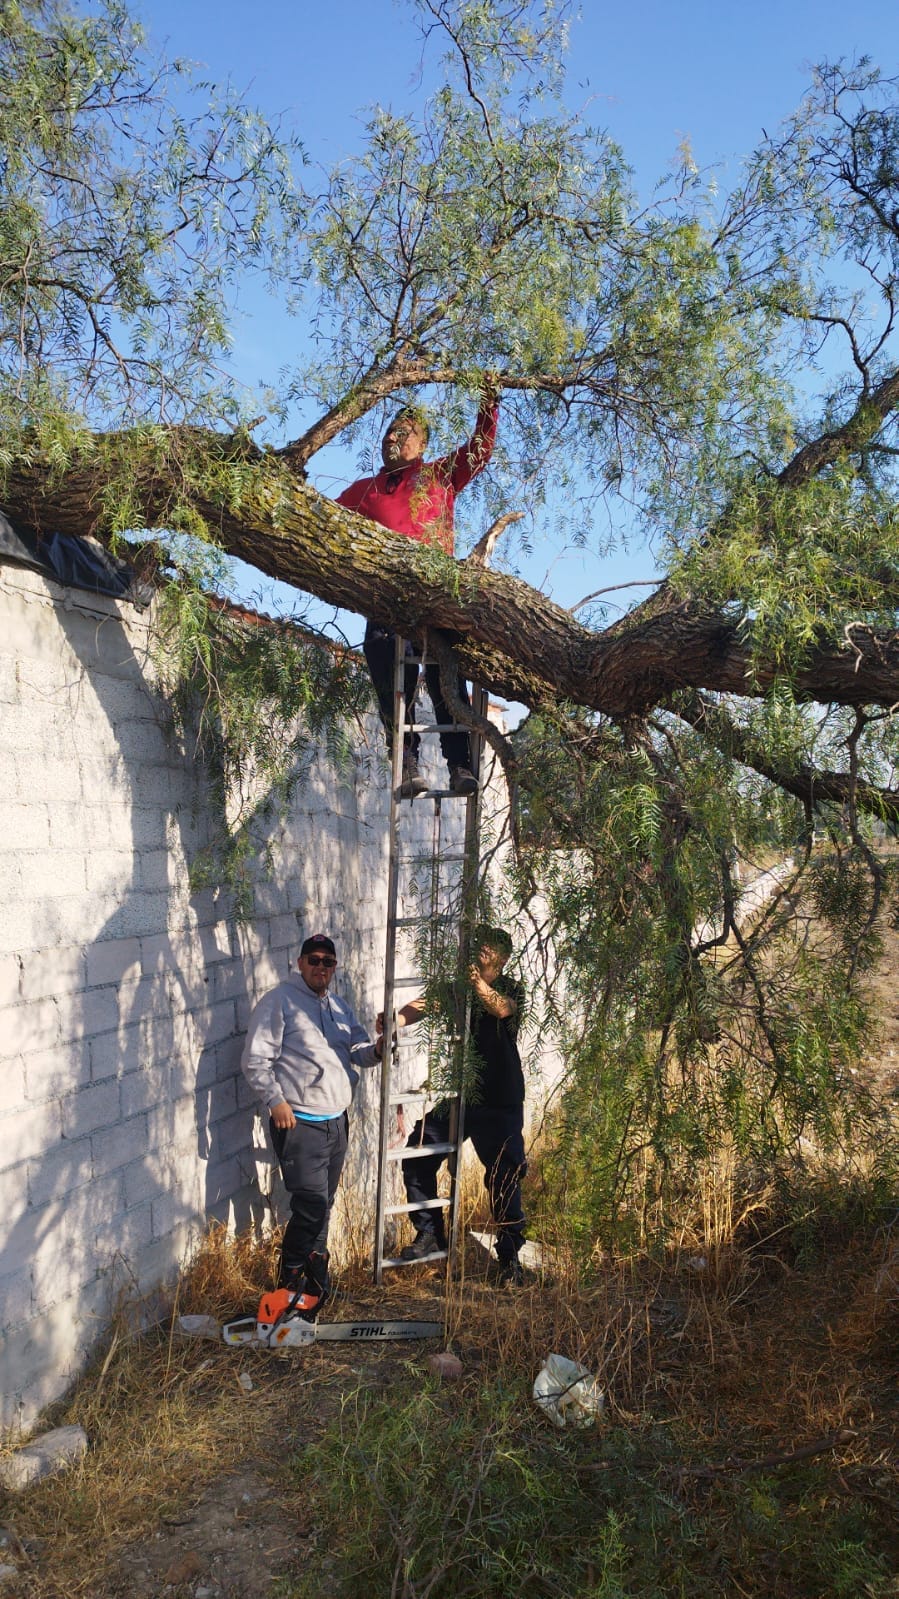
(511, 1274)
(413, 783)
(422, 1246)
(462, 781)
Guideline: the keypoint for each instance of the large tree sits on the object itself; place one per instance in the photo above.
(724, 367)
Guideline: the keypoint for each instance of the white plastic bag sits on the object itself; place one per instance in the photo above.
(567, 1392)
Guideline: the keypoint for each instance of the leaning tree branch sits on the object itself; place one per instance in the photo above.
(806, 783)
(514, 640)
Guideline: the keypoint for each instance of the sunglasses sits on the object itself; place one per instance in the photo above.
(320, 960)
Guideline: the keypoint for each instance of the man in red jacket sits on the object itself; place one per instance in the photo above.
(417, 498)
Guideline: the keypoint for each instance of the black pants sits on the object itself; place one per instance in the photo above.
(380, 653)
(311, 1155)
(498, 1137)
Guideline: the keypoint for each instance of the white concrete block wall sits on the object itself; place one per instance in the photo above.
(124, 1120)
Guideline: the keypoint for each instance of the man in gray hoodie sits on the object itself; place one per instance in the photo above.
(302, 1047)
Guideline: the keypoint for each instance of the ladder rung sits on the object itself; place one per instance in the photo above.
(406, 1099)
(409, 982)
(419, 1151)
(423, 1204)
(438, 1254)
(435, 794)
(416, 921)
(429, 860)
(436, 727)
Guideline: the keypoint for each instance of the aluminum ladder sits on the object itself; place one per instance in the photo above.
(434, 923)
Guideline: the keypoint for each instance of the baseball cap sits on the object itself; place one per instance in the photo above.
(318, 941)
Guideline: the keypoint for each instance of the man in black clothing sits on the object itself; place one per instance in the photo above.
(494, 1115)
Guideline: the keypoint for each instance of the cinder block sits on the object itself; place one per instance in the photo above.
(12, 1086)
(59, 1171)
(115, 1053)
(34, 1230)
(165, 1215)
(15, 1297)
(228, 1057)
(28, 1132)
(215, 942)
(122, 696)
(217, 1022)
(63, 1258)
(91, 1108)
(158, 1036)
(177, 954)
(50, 972)
(206, 1068)
(284, 933)
(271, 898)
(162, 783)
(234, 1134)
(221, 1101)
(109, 959)
(251, 940)
(50, 1073)
(10, 980)
(13, 1186)
(12, 877)
(246, 1098)
(125, 1234)
(158, 870)
(145, 1179)
(139, 739)
(26, 827)
(143, 1089)
(173, 1121)
(228, 981)
(28, 1027)
(111, 871)
(140, 915)
(223, 1178)
(96, 1010)
(53, 874)
(119, 1145)
(269, 970)
(37, 775)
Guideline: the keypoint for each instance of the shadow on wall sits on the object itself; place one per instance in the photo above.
(130, 1041)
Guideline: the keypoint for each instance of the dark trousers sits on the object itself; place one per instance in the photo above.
(380, 653)
(498, 1138)
(311, 1155)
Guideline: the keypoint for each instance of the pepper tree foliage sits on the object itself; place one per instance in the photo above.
(715, 370)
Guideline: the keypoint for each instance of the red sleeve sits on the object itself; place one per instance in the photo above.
(352, 496)
(471, 458)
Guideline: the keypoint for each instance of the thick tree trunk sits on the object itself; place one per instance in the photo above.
(511, 637)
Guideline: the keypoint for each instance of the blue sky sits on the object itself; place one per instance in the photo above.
(654, 73)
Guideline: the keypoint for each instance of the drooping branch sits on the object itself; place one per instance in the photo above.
(806, 783)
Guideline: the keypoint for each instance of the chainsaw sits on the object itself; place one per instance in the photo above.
(279, 1323)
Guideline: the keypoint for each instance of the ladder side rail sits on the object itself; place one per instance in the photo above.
(468, 912)
(393, 869)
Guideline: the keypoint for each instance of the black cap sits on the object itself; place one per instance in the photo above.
(318, 941)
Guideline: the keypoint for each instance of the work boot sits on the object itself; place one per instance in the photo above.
(413, 783)
(424, 1244)
(511, 1274)
(317, 1283)
(462, 781)
(309, 1282)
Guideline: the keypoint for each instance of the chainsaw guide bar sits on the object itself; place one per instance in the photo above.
(293, 1332)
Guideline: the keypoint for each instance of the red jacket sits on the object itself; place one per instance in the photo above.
(419, 500)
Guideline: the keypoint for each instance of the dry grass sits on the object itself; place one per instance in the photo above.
(730, 1343)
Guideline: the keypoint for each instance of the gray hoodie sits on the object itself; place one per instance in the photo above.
(302, 1047)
